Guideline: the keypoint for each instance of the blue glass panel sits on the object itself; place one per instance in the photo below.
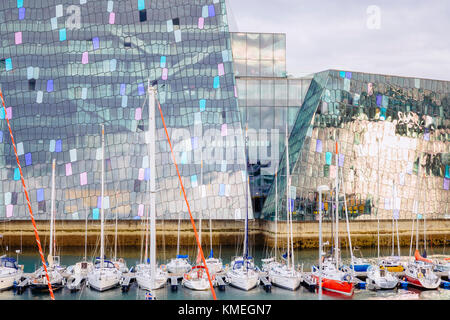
(123, 87)
(202, 104)
(141, 89)
(28, 159)
(8, 64)
(211, 10)
(216, 82)
(58, 146)
(62, 34)
(163, 62)
(95, 213)
(95, 43)
(40, 195)
(49, 85)
(16, 174)
(21, 13)
(328, 157)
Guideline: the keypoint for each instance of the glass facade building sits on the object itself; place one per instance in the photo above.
(269, 100)
(68, 66)
(393, 144)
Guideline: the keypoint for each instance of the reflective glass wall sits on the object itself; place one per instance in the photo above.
(68, 66)
(268, 101)
(393, 143)
(259, 54)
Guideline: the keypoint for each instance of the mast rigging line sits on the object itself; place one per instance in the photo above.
(187, 203)
(36, 234)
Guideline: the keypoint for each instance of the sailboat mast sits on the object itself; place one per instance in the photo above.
(199, 234)
(417, 232)
(276, 212)
(346, 218)
(210, 221)
(52, 210)
(178, 234)
(287, 201)
(320, 242)
(336, 241)
(245, 254)
(288, 191)
(115, 240)
(102, 216)
(152, 147)
(418, 199)
(412, 236)
(396, 222)
(85, 237)
(200, 216)
(393, 206)
(146, 236)
(378, 200)
(425, 223)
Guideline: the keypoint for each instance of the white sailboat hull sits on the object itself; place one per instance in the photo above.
(144, 280)
(378, 279)
(39, 280)
(104, 279)
(381, 284)
(196, 284)
(214, 265)
(78, 273)
(290, 282)
(244, 280)
(7, 278)
(178, 266)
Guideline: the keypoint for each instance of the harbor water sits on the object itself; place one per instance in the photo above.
(30, 259)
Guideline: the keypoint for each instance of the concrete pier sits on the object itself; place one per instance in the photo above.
(225, 232)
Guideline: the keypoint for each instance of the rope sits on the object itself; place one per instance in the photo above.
(187, 203)
(36, 234)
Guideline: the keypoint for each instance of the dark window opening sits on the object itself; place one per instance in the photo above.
(31, 84)
(143, 15)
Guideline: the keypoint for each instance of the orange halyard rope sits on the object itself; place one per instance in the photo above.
(187, 203)
(36, 234)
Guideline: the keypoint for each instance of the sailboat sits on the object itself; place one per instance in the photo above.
(79, 271)
(328, 273)
(10, 272)
(360, 264)
(268, 263)
(119, 263)
(148, 276)
(380, 278)
(105, 275)
(393, 263)
(196, 278)
(215, 265)
(285, 275)
(179, 264)
(38, 281)
(419, 272)
(243, 274)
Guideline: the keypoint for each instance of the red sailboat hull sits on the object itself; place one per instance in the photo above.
(337, 286)
(416, 282)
